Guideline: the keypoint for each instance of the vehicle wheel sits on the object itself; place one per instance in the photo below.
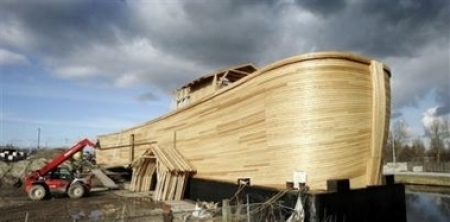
(76, 191)
(37, 192)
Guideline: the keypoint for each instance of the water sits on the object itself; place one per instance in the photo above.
(423, 207)
(94, 215)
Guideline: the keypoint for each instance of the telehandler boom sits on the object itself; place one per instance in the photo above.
(50, 179)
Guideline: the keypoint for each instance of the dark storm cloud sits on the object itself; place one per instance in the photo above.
(149, 96)
(396, 115)
(219, 33)
(443, 110)
(58, 27)
(444, 97)
(411, 13)
(415, 77)
(324, 7)
(385, 28)
(404, 26)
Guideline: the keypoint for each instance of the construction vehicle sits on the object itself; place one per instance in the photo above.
(52, 179)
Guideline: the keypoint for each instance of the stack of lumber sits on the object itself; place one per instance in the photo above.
(171, 168)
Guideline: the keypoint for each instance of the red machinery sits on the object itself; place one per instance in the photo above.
(50, 179)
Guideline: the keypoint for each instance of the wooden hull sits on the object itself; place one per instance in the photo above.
(322, 113)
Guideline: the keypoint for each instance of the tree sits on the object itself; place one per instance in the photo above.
(398, 135)
(387, 150)
(418, 149)
(438, 132)
(445, 135)
(405, 153)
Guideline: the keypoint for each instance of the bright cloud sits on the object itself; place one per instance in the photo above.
(77, 72)
(11, 58)
(429, 117)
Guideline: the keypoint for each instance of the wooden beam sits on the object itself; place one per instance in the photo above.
(131, 148)
(123, 146)
(215, 82)
(240, 72)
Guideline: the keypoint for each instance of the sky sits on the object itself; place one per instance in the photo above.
(80, 68)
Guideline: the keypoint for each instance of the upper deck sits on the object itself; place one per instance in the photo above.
(209, 84)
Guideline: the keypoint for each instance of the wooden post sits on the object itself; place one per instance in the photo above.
(248, 209)
(226, 211)
(131, 148)
(123, 213)
(215, 82)
(167, 213)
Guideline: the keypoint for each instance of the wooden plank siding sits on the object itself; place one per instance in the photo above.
(320, 113)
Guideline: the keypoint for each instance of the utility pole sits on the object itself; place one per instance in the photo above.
(393, 148)
(39, 137)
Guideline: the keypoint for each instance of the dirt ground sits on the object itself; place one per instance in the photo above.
(98, 206)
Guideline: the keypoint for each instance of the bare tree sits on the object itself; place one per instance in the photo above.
(445, 135)
(399, 135)
(387, 149)
(438, 132)
(446, 128)
(418, 149)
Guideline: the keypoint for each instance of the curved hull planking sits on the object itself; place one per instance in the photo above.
(325, 114)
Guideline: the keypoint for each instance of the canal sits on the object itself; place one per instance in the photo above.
(427, 207)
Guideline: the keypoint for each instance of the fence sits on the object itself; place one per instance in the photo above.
(442, 167)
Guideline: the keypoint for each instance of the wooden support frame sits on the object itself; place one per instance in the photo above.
(171, 169)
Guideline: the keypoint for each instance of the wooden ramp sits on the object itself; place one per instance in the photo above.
(162, 170)
(106, 181)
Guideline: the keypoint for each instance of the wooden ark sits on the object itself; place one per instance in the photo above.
(324, 113)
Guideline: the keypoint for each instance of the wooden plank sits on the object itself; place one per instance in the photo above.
(159, 186)
(166, 187)
(139, 176)
(173, 186)
(131, 154)
(106, 181)
(134, 177)
(379, 124)
(181, 184)
(147, 175)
